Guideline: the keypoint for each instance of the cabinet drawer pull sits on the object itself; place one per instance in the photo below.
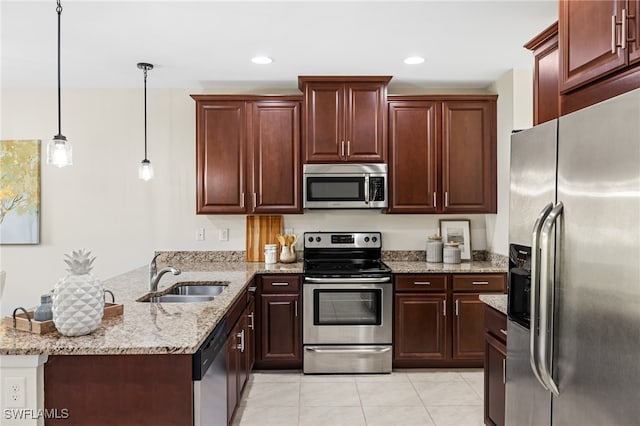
(251, 324)
(457, 307)
(444, 308)
(295, 307)
(422, 282)
(241, 337)
(480, 283)
(503, 331)
(279, 284)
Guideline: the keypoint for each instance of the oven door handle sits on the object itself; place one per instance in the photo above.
(347, 280)
(379, 350)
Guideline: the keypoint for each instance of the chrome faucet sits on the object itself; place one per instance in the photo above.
(155, 275)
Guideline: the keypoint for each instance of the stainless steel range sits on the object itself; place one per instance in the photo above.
(348, 302)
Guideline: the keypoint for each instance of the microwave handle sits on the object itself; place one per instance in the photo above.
(366, 189)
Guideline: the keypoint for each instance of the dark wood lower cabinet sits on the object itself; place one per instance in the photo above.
(495, 357)
(439, 319)
(114, 390)
(280, 340)
(468, 326)
(420, 328)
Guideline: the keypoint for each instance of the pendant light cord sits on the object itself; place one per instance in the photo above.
(59, 10)
(145, 114)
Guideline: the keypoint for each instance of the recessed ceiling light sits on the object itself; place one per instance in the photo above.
(414, 60)
(262, 60)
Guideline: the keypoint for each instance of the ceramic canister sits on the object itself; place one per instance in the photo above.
(434, 249)
(452, 253)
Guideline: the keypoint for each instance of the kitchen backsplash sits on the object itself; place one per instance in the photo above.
(388, 255)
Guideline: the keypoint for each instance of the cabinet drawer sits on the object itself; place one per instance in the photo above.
(280, 283)
(421, 282)
(495, 323)
(479, 283)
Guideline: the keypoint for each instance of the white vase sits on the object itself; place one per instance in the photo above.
(78, 299)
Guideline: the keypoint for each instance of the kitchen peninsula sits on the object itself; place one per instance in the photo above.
(152, 344)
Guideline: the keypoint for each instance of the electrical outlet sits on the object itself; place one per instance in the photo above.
(223, 234)
(288, 231)
(200, 234)
(14, 391)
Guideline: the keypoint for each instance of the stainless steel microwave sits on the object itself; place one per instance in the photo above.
(345, 186)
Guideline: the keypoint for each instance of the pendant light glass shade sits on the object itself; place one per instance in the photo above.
(59, 151)
(145, 170)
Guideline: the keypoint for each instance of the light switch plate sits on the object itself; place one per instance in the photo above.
(200, 234)
(223, 234)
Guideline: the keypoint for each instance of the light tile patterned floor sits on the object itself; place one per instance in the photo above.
(403, 398)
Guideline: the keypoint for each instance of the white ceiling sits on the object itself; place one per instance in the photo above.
(208, 44)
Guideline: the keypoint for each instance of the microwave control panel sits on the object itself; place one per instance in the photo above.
(376, 188)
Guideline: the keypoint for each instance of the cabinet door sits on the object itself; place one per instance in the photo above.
(494, 381)
(220, 157)
(250, 340)
(546, 95)
(365, 121)
(413, 156)
(634, 31)
(469, 156)
(585, 36)
(468, 327)
(420, 327)
(280, 327)
(232, 373)
(275, 157)
(324, 122)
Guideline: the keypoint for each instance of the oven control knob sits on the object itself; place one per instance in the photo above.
(374, 239)
(310, 239)
(318, 239)
(366, 239)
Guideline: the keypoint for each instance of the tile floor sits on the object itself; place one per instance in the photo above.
(403, 398)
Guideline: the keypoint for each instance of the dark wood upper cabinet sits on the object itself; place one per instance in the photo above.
(248, 154)
(546, 70)
(275, 157)
(633, 42)
(220, 157)
(413, 156)
(443, 154)
(588, 41)
(344, 119)
(469, 176)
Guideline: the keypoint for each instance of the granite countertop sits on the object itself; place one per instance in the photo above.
(180, 328)
(496, 301)
(467, 267)
(149, 328)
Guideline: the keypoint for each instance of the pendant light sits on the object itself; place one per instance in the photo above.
(59, 151)
(145, 170)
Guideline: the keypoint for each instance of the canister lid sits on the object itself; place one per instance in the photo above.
(435, 237)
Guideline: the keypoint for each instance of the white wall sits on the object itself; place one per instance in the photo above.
(515, 111)
(100, 204)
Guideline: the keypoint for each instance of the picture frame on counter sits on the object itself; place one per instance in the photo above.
(458, 231)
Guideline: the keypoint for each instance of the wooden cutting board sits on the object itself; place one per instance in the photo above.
(261, 230)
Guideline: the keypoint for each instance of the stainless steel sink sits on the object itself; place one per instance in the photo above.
(188, 292)
(177, 298)
(199, 288)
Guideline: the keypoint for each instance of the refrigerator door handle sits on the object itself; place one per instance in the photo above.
(535, 281)
(547, 291)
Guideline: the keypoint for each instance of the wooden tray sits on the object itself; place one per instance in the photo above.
(261, 230)
(44, 327)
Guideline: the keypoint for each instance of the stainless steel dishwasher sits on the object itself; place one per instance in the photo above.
(210, 380)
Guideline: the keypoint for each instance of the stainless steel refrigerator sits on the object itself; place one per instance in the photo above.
(573, 345)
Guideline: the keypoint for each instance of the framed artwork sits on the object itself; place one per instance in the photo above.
(19, 191)
(457, 230)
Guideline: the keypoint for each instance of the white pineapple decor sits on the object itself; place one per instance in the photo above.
(78, 298)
